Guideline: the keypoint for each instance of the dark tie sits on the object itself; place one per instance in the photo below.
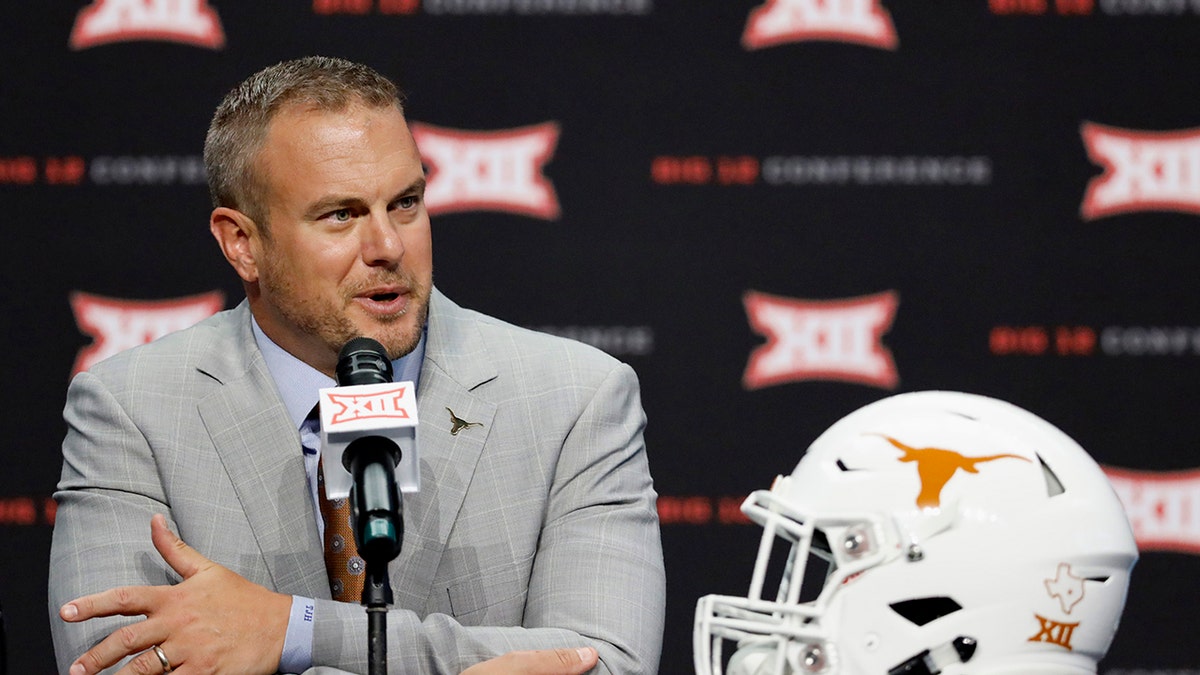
(342, 562)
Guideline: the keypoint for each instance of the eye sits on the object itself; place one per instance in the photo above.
(407, 202)
(341, 215)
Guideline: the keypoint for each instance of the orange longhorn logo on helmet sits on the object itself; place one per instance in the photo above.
(935, 468)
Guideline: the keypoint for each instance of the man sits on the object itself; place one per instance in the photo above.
(535, 526)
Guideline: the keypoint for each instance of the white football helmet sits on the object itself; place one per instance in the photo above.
(961, 535)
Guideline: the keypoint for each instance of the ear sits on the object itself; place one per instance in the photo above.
(239, 238)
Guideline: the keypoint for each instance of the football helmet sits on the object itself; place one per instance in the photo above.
(958, 534)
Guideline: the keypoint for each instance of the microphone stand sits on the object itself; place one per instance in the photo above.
(377, 596)
(374, 498)
(378, 531)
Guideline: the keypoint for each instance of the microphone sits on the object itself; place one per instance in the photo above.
(363, 361)
(368, 418)
(374, 500)
(368, 428)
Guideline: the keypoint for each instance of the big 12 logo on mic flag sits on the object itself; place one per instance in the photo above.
(355, 412)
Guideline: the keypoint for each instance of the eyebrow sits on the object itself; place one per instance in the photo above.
(335, 202)
(417, 187)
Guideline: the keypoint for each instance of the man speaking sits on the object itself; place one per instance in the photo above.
(535, 524)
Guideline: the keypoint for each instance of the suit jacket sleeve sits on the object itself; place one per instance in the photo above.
(596, 575)
(108, 492)
(138, 443)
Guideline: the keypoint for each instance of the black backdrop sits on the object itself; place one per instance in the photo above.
(697, 153)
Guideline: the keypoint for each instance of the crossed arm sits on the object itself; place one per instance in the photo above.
(196, 624)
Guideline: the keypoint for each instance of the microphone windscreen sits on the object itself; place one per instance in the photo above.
(363, 361)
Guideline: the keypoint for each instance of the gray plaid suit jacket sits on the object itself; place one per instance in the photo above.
(536, 529)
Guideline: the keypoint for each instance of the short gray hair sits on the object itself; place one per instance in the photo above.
(239, 126)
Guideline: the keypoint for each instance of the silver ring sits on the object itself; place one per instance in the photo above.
(162, 658)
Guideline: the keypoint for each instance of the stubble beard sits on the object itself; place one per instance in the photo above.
(398, 333)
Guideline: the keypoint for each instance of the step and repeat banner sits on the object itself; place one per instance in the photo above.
(777, 211)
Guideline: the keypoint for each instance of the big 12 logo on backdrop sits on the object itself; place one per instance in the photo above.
(1163, 507)
(862, 22)
(190, 22)
(1143, 171)
(821, 340)
(117, 324)
(489, 170)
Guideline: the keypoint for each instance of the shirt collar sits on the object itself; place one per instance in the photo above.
(299, 383)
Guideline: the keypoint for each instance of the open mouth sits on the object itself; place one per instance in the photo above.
(384, 297)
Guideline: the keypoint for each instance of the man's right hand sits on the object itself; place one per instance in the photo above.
(539, 662)
(214, 621)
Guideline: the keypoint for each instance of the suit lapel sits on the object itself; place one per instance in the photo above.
(260, 451)
(455, 363)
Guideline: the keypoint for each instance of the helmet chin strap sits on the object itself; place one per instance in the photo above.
(934, 661)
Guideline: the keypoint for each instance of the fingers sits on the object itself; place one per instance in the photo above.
(578, 660)
(566, 661)
(123, 601)
(146, 663)
(229, 623)
(562, 661)
(136, 600)
(182, 558)
(131, 639)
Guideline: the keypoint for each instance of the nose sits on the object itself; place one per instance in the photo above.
(381, 242)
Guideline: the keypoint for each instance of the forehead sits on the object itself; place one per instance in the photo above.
(357, 148)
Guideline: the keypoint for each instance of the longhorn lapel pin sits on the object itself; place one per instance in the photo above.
(457, 424)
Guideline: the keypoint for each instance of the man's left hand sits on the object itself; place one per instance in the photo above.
(538, 662)
(214, 621)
